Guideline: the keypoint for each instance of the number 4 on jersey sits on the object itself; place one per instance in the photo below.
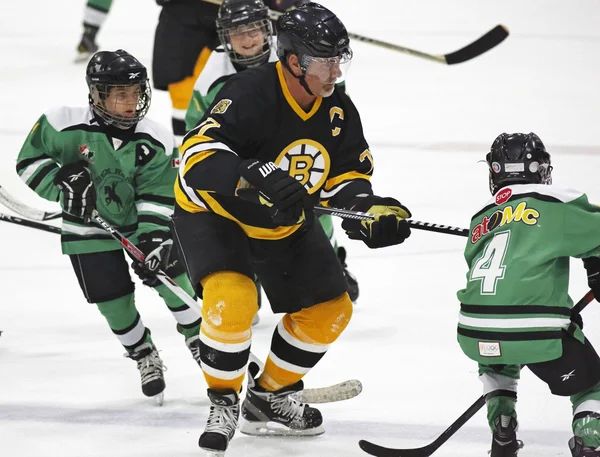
(489, 268)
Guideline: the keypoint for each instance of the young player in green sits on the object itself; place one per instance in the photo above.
(94, 15)
(109, 157)
(247, 40)
(515, 308)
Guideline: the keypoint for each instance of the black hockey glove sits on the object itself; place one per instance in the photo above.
(156, 247)
(592, 267)
(387, 229)
(77, 189)
(282, 194)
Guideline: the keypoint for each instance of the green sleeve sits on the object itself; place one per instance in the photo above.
(154, 197)
(581, 228)
(37, 160)
(198, 106)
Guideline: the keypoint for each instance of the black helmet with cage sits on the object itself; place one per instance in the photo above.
(518, 158)
(314, 34)
(108, 70)
(250, 17)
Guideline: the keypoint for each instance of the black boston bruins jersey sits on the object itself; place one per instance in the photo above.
(255, 116)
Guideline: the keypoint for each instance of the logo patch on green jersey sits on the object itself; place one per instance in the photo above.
(506, 215)
(489, 349)
(115, 192)
(86, 152)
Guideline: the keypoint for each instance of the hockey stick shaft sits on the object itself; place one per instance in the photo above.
(426, 451)
(28, 223)
(483, 44)
(26, 211)
(349, 214)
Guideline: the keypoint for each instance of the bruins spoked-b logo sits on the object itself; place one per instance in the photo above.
(308, 161)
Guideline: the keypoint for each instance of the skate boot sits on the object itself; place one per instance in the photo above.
(578, 449)
(193, 344)
(504, 439)
(350, 278)
(277, 413)
(87, 46)
(222, 422)
(151, 371)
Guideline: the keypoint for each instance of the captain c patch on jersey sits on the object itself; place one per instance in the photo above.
(308, 161)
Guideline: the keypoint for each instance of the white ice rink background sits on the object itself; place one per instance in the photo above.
(66, 390)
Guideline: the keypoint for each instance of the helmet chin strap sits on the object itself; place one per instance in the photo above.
(302, 79)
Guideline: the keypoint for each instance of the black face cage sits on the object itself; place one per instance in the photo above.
(99, 93)
(265, 26)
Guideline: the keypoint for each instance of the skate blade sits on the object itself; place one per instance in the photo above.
(276, 429)
(159, 399)
(83, 57)
(212, 453)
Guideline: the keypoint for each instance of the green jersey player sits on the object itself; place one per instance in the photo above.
(246, 37)
(107, 156)
(515, 308)
(94, 15)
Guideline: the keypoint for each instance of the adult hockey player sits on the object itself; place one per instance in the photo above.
(247, 40)
(94, 15)
(184, 38)
(515, 309)
(284, 136)
(108, 157)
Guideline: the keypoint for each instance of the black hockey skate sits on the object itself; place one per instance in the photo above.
(578, 449)
(87, 46)
(261, 408)
(193, 344)
(350, 278)
(151, 371)
(504, 439)
(222, 422)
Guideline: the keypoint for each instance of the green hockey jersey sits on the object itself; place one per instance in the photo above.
(133, 173)
(516, 304)
(216, 72)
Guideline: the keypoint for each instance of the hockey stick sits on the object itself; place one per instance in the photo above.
(26, 211)
(483, 44)
(38, 215)
(337, 392)
(426, 451)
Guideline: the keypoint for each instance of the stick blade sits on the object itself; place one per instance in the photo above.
(491, 39)
(380, 451)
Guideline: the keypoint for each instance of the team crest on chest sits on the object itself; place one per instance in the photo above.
(221, 107)
(308, 161)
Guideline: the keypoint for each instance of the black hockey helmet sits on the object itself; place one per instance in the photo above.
(311, 30)
(518, 158)
(117, 69)
(245, 16)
